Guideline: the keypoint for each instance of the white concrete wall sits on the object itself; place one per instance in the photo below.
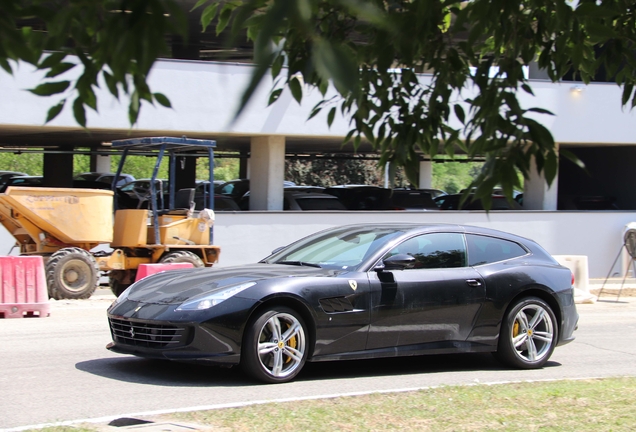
(247, 237)
(250, 236)
(204, 96)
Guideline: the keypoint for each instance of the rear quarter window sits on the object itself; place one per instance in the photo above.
(486, 250)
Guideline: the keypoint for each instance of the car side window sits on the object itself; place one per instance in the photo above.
(435, 250)
(486, 250)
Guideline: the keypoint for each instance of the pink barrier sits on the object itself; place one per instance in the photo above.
(149, 269)
(23, 292)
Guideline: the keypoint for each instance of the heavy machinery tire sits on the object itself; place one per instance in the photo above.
(71, 273)
(119, 280)
(182, 257)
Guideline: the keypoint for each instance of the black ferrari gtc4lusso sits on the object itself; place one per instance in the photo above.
(356, 292)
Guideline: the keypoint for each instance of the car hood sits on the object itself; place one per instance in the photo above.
(177, 286)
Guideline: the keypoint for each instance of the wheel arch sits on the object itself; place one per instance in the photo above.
(293, 303)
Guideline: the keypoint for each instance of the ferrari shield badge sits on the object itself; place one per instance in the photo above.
(353, 284)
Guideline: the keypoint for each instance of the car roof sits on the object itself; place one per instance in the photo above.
(414, 228)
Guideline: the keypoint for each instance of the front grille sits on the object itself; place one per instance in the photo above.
(147, 335)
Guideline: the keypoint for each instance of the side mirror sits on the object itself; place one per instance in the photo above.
(396, 262)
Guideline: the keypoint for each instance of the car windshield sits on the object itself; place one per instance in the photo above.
(344, 248)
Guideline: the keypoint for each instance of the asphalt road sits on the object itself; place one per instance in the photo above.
(57, 368)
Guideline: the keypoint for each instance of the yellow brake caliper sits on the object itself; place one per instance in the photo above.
(515, 329)
(292, 343)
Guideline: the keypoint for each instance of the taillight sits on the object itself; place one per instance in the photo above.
(572, 273)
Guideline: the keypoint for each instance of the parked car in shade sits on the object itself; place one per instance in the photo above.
(498, 202)
(307, 200)
(361, 197)
(302, 198)
(352, 293)
(140, 191)
(238, 188)
(434, 192)
(105, 178)
(26, 181)
(587, 202)
(6, 175)
(221, 202)
(413, 199)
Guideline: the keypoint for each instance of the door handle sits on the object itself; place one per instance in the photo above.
(473, 282)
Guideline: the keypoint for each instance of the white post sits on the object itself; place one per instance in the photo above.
(426, 175)
(267, 172)
(537, 195)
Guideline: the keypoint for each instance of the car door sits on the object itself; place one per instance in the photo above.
(435, 301)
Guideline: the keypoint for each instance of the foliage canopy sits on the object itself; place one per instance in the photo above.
(371, 51)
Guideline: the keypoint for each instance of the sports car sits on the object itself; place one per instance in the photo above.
(356, 292)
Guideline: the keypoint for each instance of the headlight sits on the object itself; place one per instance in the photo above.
(206, 301)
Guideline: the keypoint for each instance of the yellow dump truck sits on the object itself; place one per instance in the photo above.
(64, 225)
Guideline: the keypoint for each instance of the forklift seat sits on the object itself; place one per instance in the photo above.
(183, 202)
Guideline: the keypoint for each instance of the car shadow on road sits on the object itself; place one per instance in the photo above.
(441, 363)
(164, 372)
(167, 373)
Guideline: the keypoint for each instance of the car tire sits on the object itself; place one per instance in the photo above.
(275, 346)
(71, 273)
(182, 257)
(529, 334)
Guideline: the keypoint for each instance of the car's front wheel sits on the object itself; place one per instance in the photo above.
(275, 346)
(528, 335)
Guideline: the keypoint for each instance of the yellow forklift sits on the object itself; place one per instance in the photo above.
(64, 225)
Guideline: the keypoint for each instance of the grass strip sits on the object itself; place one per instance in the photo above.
(581, 405)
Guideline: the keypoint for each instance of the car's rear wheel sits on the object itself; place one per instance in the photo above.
(528, 335)
(275, 347)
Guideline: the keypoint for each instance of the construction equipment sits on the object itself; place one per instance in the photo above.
(63, 225)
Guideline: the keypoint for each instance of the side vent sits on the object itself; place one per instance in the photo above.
(336, 304)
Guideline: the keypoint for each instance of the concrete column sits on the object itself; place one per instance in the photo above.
(426, 175)
(267, 172)
(102, 163)
(536, 193)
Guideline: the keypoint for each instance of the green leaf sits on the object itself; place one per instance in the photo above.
(51, 60)
(527, 89)
(550, 167)
(224, 18)
(199, 4)
(273, 97)
(331, 115)
(59, 69)
(111, 83)
(162, 99)
(133, 107)
(6, 66)
(627, 92)
(79, 112)
(296, 88)
(208, 14)
(48, 89)
(54, 111)
(540, 111)
(459, 112)
(277, 65)
(335, 62)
